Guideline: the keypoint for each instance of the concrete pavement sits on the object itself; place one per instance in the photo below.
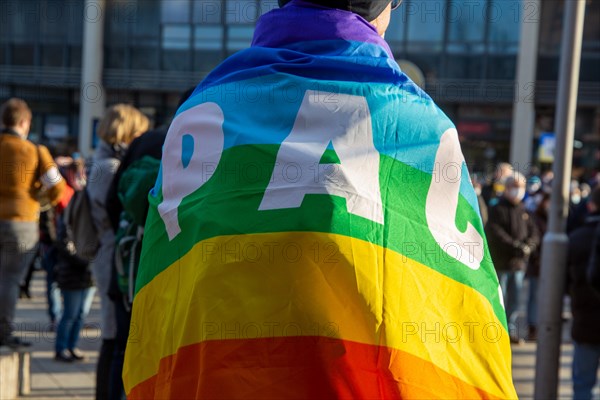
(53, 380)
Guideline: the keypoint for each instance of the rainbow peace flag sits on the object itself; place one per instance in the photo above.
(313, 233)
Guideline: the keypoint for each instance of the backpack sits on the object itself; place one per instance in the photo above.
(71, 271)
(78, 220)
(128, 249)
(134, 185)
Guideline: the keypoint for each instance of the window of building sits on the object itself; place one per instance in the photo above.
(24, 21)
(505, 18)
(54, 20)
(145, 20)
(547, 68)
(241, 11)
(590, 68)
(53, 55)
(144, 57)
(23, 54)
(205, 61)
(239, 37)
(176, 37)
(425, 21)
(4, 53)
(200, 25)
(551, 27)
(115, 57)
(175, 11)
(208, 11)
(427, 62)
(74, 56)
(395, 32)
(591, 27)
(463, 66)
(466, 25)
(74, 19)
(56, 127)
(503, 67)
(176, 60)
(208, 37)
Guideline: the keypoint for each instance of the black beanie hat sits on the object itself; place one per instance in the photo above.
(368, 9)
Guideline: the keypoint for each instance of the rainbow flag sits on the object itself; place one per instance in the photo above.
(313, 233)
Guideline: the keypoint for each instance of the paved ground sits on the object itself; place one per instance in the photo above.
(52, 380)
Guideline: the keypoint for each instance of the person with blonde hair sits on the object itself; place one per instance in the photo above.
(120, 125)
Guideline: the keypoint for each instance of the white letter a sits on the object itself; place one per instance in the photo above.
(345, 121)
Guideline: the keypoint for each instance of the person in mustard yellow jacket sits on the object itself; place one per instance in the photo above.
(26, 170)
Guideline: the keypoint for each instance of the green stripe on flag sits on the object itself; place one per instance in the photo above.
(228, 205)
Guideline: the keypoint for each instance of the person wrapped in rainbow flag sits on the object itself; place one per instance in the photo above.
(313, 232)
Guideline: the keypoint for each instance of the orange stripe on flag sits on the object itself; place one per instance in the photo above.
(300, 367)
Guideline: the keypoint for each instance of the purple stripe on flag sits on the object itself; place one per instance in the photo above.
(301, 21)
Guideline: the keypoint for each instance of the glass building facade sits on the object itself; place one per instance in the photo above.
(155, 49)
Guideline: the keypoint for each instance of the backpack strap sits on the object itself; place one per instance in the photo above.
(133, 261)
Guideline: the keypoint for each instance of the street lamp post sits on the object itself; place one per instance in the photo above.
(555, 245)
(91, 100)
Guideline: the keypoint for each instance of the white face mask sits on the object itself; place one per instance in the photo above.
(576, 199)
(515, 194)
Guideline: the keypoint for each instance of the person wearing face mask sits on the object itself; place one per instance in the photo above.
(120, 125)
(512, 237)
(578, 210)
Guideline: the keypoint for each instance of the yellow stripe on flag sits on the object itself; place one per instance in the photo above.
(317, 284)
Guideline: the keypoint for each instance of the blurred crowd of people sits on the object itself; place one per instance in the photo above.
(35, 232)
(515, 212)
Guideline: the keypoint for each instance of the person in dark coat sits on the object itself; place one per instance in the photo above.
(74, 277)
(585, 304)
(512, 237)
(540, 217)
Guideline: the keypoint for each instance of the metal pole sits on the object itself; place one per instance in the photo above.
(523, 120)
(555, 245)
(91, 100)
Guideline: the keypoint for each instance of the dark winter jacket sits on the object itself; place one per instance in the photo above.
(511, 234)
(48, 226)
(541, 222)
(585, 301)
(594, 265)
(70, 271)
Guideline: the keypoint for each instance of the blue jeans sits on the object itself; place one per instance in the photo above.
(511, 283)
(52, 289)
(532, 301)
(76, 306)
(586, 358)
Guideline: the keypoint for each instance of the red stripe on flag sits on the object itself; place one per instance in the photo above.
(303, 367)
